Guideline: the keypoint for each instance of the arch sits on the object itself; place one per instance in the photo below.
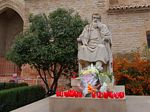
(11, 23)
(16, 6)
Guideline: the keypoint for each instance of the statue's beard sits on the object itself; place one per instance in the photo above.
(95, 25)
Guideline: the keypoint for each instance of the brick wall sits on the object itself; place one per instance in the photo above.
(30, 76)
(84, 7)
(129, 30)
(6, 67)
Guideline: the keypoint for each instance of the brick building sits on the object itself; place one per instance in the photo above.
(128, 20)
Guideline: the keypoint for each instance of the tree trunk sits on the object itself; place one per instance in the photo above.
(54, 86)
(43, 79)
(57, 71)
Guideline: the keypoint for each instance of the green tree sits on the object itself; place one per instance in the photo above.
(49, 45)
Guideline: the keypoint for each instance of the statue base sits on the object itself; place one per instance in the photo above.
(62, 104)
(87, 104)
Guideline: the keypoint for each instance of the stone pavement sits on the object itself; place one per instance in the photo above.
(138, 103)
(39, 106)
(134, 104)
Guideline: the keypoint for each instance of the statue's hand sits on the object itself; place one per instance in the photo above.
(78, 39)
(95, 25)
(106, 40)
(99, 24)
(84, 45)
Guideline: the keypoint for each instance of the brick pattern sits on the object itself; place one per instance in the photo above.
(6, 67)
(129, 30)
(29, 76)
(84, 7)
(63, 83)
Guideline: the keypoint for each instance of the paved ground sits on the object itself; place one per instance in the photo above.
(39, 106)
(138, 103)
(134, 104)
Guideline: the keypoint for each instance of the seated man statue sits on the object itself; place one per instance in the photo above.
(94, 45)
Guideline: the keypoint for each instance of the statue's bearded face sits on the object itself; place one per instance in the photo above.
(96, 18)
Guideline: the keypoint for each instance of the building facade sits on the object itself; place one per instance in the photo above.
(128, 20)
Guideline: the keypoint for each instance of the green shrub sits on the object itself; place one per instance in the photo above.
(11, 85)
(14, 98)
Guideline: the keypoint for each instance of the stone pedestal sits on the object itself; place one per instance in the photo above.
(75, 83)
(87, 104)
(58, 104)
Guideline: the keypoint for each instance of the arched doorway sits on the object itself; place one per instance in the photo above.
(11, 24)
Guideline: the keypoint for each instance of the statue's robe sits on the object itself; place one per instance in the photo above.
(93, 48)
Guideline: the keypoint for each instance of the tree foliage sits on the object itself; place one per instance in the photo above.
(49, 45)
(133, 71)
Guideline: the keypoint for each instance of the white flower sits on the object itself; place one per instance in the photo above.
(104, 87)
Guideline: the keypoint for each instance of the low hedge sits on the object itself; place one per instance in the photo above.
(5, 85)
(14, 98)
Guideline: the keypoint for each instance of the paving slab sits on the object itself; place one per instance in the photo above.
(39, 106)
(138, 103)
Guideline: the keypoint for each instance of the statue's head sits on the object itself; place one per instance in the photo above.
(96, 17)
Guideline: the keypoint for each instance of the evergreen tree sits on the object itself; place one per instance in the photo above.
(49, 45)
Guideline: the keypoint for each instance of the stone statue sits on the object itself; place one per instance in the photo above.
(94, 45)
